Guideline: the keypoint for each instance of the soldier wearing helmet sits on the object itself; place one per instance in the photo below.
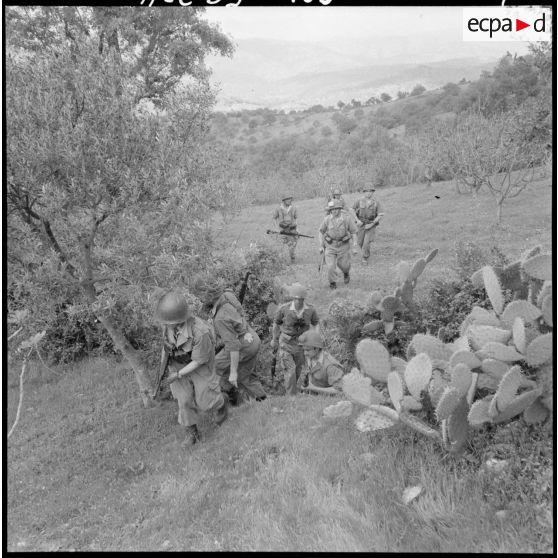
(290, 321)
(336, 194)
(335, 233)
(324, 372)
(193, 381)
(235, 363)
(367, 212)
(285, 217)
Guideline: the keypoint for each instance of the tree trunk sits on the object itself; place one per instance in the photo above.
(132, 356)
(499, 211)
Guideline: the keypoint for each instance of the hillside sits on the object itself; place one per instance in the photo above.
(90, 470)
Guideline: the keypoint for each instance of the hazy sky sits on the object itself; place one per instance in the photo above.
(319, 23)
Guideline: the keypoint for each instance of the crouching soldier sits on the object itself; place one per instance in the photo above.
(235, 363)
(192, 378)
(290, 321)
(324, 372)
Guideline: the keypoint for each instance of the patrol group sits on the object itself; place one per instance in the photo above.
(210, 365)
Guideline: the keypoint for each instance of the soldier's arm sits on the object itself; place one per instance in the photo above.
(321, 232)
(354, 213)
(353, 232)
(201, 351)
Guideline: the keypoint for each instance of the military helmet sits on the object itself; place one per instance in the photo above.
(337, 204)
(329, 205)
(208, 288)
(287, 197)
(297, 291)
(172, 308)
(368, 189)
(336, 192)
(311, 338)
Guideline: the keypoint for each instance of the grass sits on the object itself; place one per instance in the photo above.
(89, 469)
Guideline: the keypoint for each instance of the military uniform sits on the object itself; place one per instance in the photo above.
(292, 324)
(325, 371)
(199, 390)
(337, 232)
(286, 219)
(366, 210)
(231, 329)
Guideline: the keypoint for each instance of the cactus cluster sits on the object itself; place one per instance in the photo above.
(500, 367)
(401, 298)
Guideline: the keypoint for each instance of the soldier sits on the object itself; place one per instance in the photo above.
(191, 347)
(290, 321)
(235, 363)
(336, 231)
(285, 216)
(336, 194)
(324, 372)
(367, 213)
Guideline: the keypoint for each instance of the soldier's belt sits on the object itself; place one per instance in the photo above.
(337, 243)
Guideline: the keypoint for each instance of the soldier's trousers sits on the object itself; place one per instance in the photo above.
(290, 358)
(335, 257)
(290, 241)
(249, 384)
(197, 391)
(364, 239)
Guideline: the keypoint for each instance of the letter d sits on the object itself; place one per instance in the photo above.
(540, 20)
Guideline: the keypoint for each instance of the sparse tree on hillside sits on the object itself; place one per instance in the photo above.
(340, 104)
(417, 90)
(385, 97)
(402, 94)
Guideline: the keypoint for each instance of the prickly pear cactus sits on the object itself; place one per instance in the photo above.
(340, 409)
(374, 359)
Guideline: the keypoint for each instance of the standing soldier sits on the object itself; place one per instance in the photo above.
(235, 363)
(191, 348)
(324, 372)
(367, 212)
(285, 216)
(336, 231)
(291, 320)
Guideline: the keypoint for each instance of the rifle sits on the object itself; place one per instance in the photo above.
(244, 288)
(376, 221)
(269, 231)
(162, 369)
(322, 261)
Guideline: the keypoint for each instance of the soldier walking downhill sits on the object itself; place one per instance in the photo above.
(367, 212)
(191, 348)
(235, 363)
(290, 321)
(336, 231)
(285, 216)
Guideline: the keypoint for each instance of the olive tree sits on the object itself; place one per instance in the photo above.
(108, 188)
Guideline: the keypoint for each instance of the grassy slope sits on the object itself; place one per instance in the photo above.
(88, 469)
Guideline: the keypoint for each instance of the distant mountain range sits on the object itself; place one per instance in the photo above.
(294, 74)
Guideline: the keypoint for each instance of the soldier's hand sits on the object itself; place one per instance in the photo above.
(359, 222)
(172, 377)
(233, 379)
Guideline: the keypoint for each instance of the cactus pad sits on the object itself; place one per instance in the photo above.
(493, 408)
(418, 374)
(478, 413)
(486, 381)
(374, 359)
(499, 351)
(409, 403)
(493, 289)
(507, 389)
(518, 405)
(539, 350)
(374, 299)
(371, 327)
(477, 279)
(418, 267)
(539, 267)
(480, 335)
(548, 310)
(395, 389)
(357, 388)
(546, 289)
(432, 346)
(418, 425)
(406, 293)
(465, 357)
(519, 339)
(520, 308)
(461, 378)
(460, 344)
(458, 427)
(340, 409)
(436, 387)
(376, 418)
(431, 256)
(531, 252)
(398, 364)
(535, 413)
(390, 304)
(495, 368)
(448, 402)
(388, 327)
(403, 270)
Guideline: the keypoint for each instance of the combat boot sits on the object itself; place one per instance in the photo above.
(192, 436)
(346, 278)
(223, 411)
